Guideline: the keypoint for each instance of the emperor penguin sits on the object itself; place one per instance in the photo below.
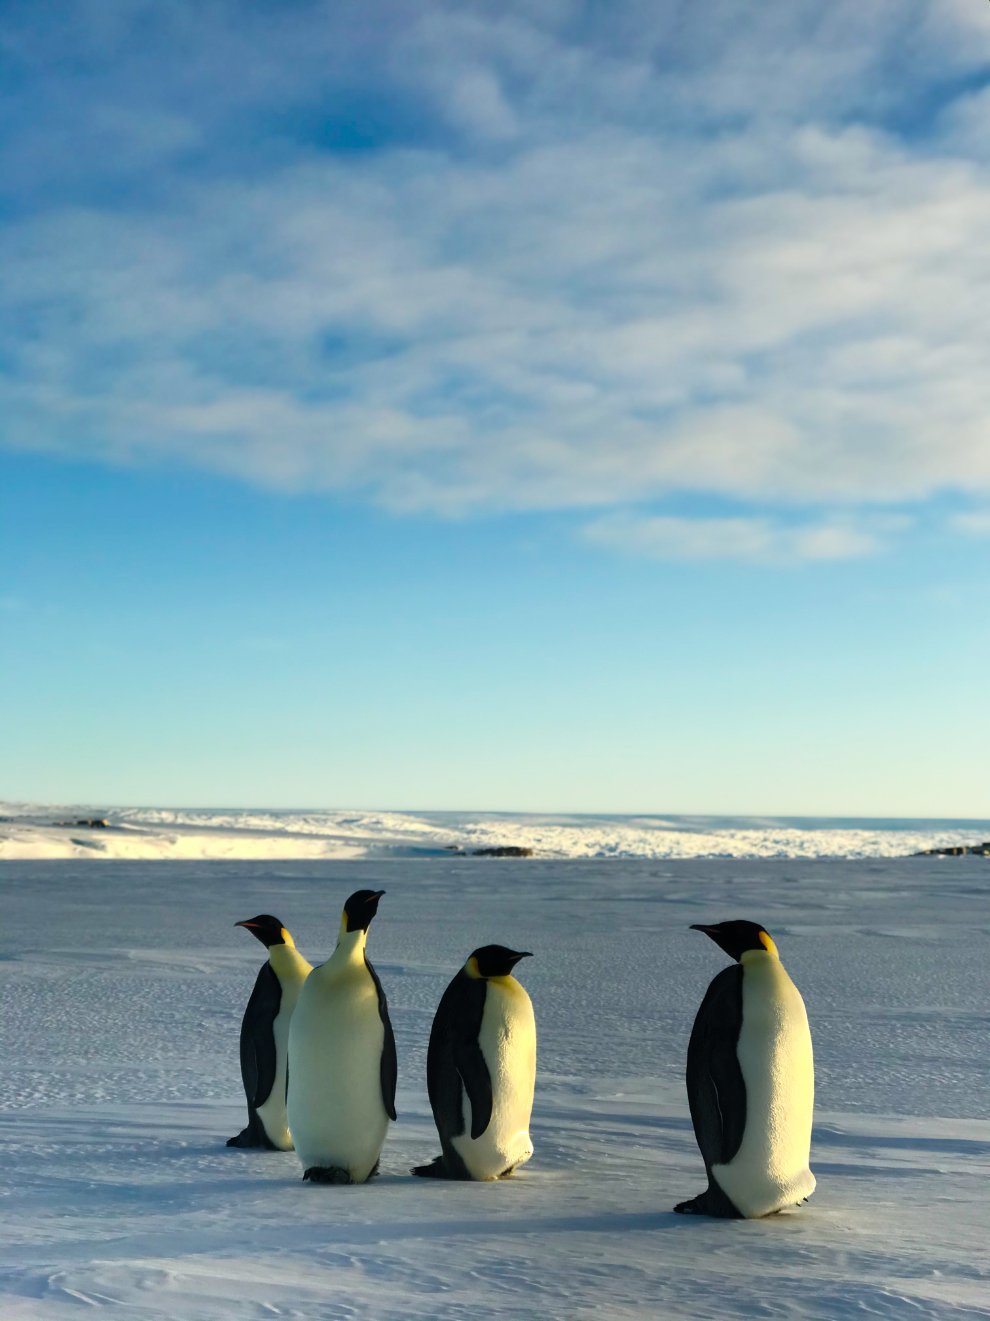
(342, 1065)
(751, 1081)
(265, 1035)
(481, 1070)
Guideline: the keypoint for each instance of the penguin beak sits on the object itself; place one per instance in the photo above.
(521, 954)
(699, 926)
(251, 926)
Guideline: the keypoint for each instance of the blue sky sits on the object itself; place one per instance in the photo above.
(552, 407)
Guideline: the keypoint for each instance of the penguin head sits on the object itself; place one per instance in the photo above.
(269, 930)
(359, 909)
(493, 961)
(738, 938)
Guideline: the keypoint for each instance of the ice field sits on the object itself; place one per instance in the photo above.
(28, 831)
(123, 984)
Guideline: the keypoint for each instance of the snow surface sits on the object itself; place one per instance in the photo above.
(28, 831)
(123, 984)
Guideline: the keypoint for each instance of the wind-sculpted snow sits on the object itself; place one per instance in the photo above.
(199, 833)
(123, 983)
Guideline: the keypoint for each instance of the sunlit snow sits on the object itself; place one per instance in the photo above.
(123, 982)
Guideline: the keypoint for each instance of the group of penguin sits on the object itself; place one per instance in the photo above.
(319, 1067)
(318, 1064)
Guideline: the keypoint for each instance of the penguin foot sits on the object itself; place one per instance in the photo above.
(251, 1137)
(435, 1169)
(441, 1168)
(327, 1174)
(712, 1202)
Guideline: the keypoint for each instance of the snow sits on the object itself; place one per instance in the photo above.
(123, 983)
(41, 832)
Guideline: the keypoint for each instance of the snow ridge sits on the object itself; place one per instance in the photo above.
(156, 832)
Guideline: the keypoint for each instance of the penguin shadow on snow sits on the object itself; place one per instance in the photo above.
(894, 1156)
(667, 1130)
(975, 1147)
(512, 1224)
(174, 1197)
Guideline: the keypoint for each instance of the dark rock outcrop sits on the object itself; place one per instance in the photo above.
(490, 851)
(503, 851)
(957, 851)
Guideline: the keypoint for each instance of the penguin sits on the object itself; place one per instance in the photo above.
(265, 1035)
(481, 1070)
(751, 1081)
(342, 1064)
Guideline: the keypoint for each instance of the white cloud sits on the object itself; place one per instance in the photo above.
(756, 540)
(598, 303)
(971, 523)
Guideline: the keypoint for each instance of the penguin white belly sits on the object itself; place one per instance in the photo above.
(508, 1043)
(770, 1169)
(335, 1108)
(292, 970)
(272, 1112)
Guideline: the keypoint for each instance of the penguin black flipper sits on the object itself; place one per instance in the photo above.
(715, 1086)
(468, 1058)
(454, 1062)
(257, 1048)
(471, 1066)
(389, 1065)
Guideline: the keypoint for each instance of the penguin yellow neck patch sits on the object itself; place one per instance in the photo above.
(768, 944)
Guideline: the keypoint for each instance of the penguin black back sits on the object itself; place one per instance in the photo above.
(715, 1086)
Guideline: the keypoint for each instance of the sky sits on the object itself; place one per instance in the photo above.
(525, 406)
